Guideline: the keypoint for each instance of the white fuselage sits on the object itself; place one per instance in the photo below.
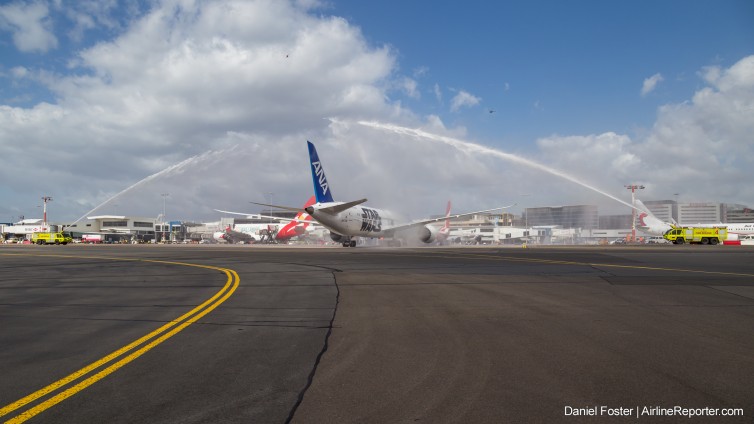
(652, 225)
(740, 229)
(357, 221)
(735, 231)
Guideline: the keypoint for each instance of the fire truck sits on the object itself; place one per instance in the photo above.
(708, 235)
(51, 238)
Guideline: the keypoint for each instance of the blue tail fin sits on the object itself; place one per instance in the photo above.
(321, 187)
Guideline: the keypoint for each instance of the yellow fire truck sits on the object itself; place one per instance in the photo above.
(51, 238)
(703, 235)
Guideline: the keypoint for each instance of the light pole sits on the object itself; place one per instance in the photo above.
(269, 195)
(164, 198)
(677, 209)
(526, 215)
(45, 199)
(633, 188)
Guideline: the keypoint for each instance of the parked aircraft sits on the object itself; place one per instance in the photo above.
(649, 223)
(348, 220)
(740, 230)
(736, 231)
(271, 232)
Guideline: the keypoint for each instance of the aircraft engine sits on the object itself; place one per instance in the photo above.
(337, 238)
(428, 233)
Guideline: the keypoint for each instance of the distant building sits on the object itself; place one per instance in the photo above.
(500, 219)
(665, 210)
(734, 214)
(117, 227)
(577, 216)
(615, 222)
(699, 213)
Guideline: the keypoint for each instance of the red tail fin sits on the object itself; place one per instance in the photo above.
(292, 228)
(447, 217)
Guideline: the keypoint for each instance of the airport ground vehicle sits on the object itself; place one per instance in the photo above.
(92, 238)
(51, 238)
(681, 235)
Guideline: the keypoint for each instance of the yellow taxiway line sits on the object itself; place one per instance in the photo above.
(179, 323)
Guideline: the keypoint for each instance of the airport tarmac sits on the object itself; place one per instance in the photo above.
(196, 333)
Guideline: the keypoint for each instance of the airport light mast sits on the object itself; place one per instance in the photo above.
(633, 188)
(164, 233)
(45, 199)
(268, 196)
(524, 213)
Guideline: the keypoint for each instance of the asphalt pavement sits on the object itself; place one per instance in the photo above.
(322, 335)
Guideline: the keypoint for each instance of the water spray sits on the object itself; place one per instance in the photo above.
(469, 147)
(173, 168)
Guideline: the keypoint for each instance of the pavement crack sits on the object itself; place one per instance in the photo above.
(313, 372)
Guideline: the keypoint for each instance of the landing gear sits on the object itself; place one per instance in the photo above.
(349, 243)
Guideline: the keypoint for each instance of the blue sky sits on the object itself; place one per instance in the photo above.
(603, 91)
(556, 67)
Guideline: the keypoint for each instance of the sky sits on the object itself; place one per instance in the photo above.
(135, 107)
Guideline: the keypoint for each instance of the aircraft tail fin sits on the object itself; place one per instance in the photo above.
(304, 216)
(640, 205)
(298, 225)
(649, 222)
(321, 188)
(447, 218)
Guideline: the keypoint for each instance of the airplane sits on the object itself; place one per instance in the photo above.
(246, 232)
(651, 224)
(736, 231)
(348, 220)
(444, 232)
(740, 230)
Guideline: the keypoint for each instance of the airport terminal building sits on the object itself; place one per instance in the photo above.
(546, 225)
(102, 229)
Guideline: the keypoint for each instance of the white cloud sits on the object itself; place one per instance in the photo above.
(701, 148)
(651, 83)
(30, 25)
(178, 82)
(19, 72)
(420, 71)
(409, 86)
(438, 92)
(241, 85)
(463, 99)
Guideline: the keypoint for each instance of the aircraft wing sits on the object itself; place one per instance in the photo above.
(279, 218)
(248, 215)
(285, 208)
(442, 218)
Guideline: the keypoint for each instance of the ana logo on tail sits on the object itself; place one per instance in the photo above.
(321, 187)
(320, 173)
